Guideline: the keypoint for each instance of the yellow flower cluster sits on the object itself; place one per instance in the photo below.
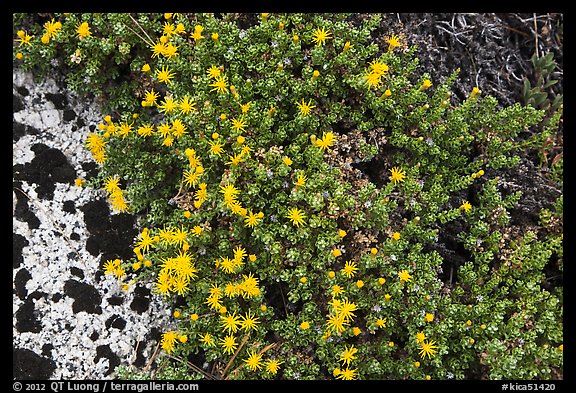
(328, 139)
(163, 47)
(51, 28)
(170, 339)
(376, 70)
(115, 193)
(346, 357)
(192, 175)
(340, 316)
(115, 268)
(95, 144)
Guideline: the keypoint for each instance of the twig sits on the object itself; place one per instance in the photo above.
(152, 358)
(536, 36)
(266, 348)
(235, 354)
(135, 352)
(151, 41)
(194, 367)
(283, 300)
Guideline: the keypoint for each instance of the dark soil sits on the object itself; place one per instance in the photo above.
(492, 50)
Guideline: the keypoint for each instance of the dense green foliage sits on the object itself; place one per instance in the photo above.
(395, 176)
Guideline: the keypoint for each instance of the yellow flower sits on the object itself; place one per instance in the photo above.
(249, 321)
(404, 275)
(393, 42)
(466, 206)
(168, 341)
(197, 35)
(213, 72)
(83, 30)
(252, 219)
(327, 140)
(349, 269)
(426, 84)
(52, 28)
(238, 124)
(186, 105)
(397, 175)
(208, 340)
(229, 344)
(396, 236)
(348, 355)
(24, 38)
(305, 108)
(428, 349)
(381, 323)
(320, 36)
(216, 148)
(341, 232)
(167, 106)
(305, 325)
(429, 317)
(296, 215)
(300, 180)
(150, 98)
(79, 182)
(253, 361)
(373, 79)
(378, 68)
(420, 337)
(245, 107)
(336, 290)
(272, 366)
(220, 84)
(164, 75)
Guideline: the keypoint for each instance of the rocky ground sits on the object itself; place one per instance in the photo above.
(70, 321)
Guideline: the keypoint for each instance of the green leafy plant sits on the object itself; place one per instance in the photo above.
(299, 184)
(539, 94)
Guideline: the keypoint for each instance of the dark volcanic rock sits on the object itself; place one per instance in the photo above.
(26, 318)
(29, 365)
(18, 243)
(86, 297)
(49, 166)
(141, 300)
(104, 351)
